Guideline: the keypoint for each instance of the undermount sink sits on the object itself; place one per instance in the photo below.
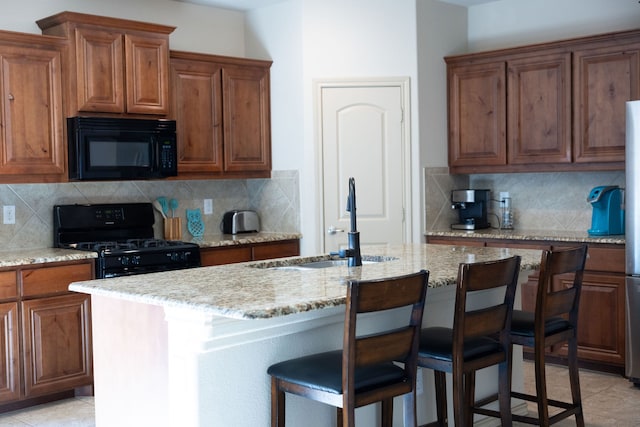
(328, 263)
(314, 263)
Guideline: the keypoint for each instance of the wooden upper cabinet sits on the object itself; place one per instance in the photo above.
(539, 109)
(246, 108)
(222, 111)
(605, 77)
(197, 108)
(32, 145)
(100, 70)
(564, 105)
(147, 73)
(477, 114)
(117, 66)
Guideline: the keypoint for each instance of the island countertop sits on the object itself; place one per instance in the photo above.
(256, 290)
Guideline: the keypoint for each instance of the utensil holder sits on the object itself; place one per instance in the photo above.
(173, 228)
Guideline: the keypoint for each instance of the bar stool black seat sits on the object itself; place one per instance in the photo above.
(555, 321)
(363, 372)
(479, 338)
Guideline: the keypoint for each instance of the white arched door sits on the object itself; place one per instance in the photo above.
(364, 135)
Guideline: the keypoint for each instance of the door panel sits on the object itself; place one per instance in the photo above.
(362, 137)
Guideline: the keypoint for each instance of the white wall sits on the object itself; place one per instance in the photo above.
(442, 31)
(199, 28)
(513, 22)
(324, 39)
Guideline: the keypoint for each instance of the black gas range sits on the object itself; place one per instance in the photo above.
(122, 235)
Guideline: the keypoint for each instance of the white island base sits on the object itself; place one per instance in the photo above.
(164, 366)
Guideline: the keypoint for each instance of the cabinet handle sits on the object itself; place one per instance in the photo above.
(11, 97)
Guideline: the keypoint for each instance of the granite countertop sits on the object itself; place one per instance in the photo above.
(255, 290)
(20, 257)
(216, 240)
(517, 234)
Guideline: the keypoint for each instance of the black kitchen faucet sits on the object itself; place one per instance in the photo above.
(353, 251)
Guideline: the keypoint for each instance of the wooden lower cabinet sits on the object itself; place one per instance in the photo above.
(9, 352)
(250, 252)
(601, 330)
(45, 333)
(56, 337)
(601, 327)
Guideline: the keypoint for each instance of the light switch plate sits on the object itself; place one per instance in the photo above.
(9, 214)
(208, 206)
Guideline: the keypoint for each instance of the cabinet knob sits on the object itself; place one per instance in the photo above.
(11, 97)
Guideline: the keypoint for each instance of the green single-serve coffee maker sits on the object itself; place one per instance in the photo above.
(608, 210)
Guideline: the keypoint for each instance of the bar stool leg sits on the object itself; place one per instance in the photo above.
(387, 413)
(441, 398)
(541, 387)
(469, 393)
(277, 404)
(574, 379)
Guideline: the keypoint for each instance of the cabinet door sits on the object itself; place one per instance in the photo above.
(246, 112)
(477, 115)
(100, 70)
(539, 109)
(57, 343)
(9, 353)
(604, 79)
(31, 121)
(601, 319)
(147, 74)
(197, 108)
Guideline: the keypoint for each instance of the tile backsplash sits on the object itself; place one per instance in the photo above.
(276, 200)
(541, 201)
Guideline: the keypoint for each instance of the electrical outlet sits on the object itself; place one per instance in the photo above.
(9, 214)
(208, 206)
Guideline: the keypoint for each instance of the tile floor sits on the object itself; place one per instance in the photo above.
(608, 400)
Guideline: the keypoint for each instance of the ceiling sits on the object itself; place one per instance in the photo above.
(255, 4)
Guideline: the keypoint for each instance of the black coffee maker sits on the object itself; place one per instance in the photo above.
(472, 209)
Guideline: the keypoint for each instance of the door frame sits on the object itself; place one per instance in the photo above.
(403, 83)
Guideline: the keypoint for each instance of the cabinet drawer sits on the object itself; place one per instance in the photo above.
(228, 255)
(517, 245)
(455, 242)
(53, 280)
(605, 259)
(276, 250)
(608, 259)
(8, 282)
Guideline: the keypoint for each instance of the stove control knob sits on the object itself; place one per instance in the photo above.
(135, 260)
(124, 260)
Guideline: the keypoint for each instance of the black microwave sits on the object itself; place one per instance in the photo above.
(104, 148)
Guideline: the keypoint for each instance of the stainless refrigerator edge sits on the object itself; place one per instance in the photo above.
(632, 241)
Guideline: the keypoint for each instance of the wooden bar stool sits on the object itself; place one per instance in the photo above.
(364, 371)
(554, 322)
(479, 338)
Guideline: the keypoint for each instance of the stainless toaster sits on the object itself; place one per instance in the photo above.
(240, 221)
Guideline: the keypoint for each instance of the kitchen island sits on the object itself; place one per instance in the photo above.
(191, 347)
